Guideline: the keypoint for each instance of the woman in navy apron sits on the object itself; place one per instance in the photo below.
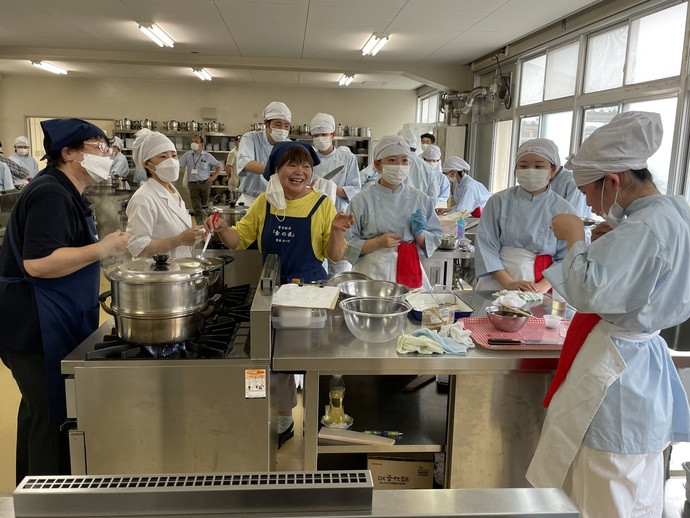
(301, 226)
(49, 279)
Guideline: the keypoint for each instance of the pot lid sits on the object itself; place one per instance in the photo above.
(161, 269)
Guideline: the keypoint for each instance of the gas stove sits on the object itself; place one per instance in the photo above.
(226, 334)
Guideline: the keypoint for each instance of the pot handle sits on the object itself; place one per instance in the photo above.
(227, 259)
(211, 305)
(101, 300)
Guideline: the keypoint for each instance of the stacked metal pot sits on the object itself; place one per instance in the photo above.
(162, 301)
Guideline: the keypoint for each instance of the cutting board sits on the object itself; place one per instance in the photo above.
(337, 434)
(534, 329)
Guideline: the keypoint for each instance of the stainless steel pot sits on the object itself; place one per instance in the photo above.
(192, 126)
(159, 301)
(213, 265)
(304, 129)
(229, 213)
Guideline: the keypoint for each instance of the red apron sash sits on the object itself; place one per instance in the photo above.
(541, 263)
(409, 269)
(580, 327)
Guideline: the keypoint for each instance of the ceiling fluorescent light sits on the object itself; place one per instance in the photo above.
(158, 35)
(374, 44)
(345, 80)
(49, 67)
(379, 45)
(202, 74)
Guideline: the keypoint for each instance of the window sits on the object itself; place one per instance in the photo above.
(557, 127)
(561, 72)
(532, 81)
(605, 60)
(656, 45)
(659, 163)
(427, 109)
(596, 118)
(529, 128)
(501, 155)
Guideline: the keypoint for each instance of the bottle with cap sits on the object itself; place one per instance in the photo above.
(336, 394)
(461, 228)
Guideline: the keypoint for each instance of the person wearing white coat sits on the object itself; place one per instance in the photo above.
(22, 155)
(468, 194)
(432, 156)
(6, 180)
(157, 219)
(120, 167)
(617, 400)
(393, 221)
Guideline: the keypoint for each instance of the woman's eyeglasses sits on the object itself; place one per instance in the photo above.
(103, 147)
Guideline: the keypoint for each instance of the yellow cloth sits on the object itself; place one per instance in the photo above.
(251, 225)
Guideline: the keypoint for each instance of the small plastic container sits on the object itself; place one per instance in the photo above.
(563, 326)
(552, 321)
(461, 228)
(298, 318)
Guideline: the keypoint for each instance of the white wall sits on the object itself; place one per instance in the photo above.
(385, 111)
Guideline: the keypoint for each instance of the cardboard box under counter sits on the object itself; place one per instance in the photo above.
(402, 472)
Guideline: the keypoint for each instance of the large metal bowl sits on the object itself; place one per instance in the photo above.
(342, 277)
(374, 319)
(381, 289)
(505, 320)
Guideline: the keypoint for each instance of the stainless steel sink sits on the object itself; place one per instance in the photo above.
(678, 337)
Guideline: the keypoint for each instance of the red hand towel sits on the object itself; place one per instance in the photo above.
(477, 213)
(409, 270)
(579, 329)
(541, 263)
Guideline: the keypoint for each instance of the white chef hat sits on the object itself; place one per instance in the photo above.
(117, 142)
(410, 137)
(432, 152)
(391, 145)
(623, 144)
(322, 123)
(277, 110)
(21, 141)
(455, 163)
(149, 144)
(543, 147)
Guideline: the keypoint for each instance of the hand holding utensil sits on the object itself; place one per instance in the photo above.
(210, 232)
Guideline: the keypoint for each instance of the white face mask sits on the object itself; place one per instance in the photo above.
(615, 214)
(395, 174)
(424, 147)
(98, 167)
(275, 194)
(533, 179)
(168, 170)
(279, 135)
(195, 146)
(322, 143)
(23, 151)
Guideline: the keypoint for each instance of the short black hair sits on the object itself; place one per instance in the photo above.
(429, 136)
(199, 136)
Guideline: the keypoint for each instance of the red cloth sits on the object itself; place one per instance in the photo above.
(409, 270)
(580, 327)
(541, 263)
(477, 213)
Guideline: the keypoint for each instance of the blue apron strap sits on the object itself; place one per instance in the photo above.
(316, 205)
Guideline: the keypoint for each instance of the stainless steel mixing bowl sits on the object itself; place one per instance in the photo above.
(505, 320)
(375, 319)
(342, 277)
(381, 289)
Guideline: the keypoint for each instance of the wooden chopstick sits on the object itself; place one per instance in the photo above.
(516, 310)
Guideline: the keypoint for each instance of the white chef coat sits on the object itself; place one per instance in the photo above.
(421, 177)
(120, 166)
(6, 180)
(253, 146)
(469, 194)
(622, 393)
(516, 219)
(154, 213)
(348, 178)
(27, 162)
(378, 210)
(564, 186)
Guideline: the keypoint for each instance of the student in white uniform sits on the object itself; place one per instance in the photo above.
(617, 401)
(393, 221)
(344, 185)
(23, 157)
(514, 241)
(432, 156)
(256, 147)
(468, 194)
(120, 167)
(158, 220)
(6, 180)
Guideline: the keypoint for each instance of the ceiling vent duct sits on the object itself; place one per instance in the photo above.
(295, 493)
